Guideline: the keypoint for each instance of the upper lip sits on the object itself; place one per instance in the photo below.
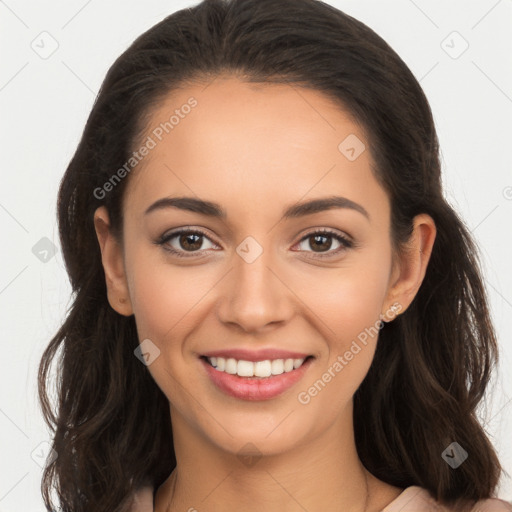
(255, 355)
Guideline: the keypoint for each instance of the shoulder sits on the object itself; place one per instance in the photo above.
(493, 505)
(417, 499)
(143, 499)
(412, 499)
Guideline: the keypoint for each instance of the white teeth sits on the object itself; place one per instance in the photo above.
(244, 368)
(288, 365)
(231, 365)
(265, 368)
(277, 366)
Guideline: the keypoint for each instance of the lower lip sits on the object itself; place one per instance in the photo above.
(255, 388)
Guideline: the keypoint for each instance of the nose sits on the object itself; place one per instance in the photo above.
(255, 297)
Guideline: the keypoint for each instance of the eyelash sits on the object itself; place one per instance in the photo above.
(345, 242)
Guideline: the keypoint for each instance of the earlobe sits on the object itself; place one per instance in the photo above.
(412, 264)
(113, 264)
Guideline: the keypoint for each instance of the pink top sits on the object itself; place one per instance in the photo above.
(412, 499)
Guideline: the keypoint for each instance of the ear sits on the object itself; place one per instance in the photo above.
(113, 264)
(410, 267)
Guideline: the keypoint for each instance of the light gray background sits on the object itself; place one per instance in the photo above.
(45, 103)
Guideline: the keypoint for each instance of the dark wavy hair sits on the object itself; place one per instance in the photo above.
(112, 429)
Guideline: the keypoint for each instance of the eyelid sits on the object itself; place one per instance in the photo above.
(345, 240)
(169, 235)
(329, 231)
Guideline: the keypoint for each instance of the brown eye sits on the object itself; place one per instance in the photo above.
(184, 241)
(321, 242)
(190, 242)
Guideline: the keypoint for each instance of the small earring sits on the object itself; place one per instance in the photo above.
(122, 300)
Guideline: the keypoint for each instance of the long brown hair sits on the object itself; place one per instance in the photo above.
(112, 429)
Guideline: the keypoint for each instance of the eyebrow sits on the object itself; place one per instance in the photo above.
(214, 210)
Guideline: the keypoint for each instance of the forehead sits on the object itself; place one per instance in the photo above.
(231, 139)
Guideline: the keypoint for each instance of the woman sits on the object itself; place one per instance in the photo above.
(274, 306)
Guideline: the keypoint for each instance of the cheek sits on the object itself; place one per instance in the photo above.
(167, 306)
(350, 298)
(349, 309)
(165, 297)
(347, 304)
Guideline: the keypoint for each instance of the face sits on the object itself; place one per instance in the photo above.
(244, 270)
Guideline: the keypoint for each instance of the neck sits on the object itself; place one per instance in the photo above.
(324, 474)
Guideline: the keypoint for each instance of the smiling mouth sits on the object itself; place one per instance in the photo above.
(255, 369)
